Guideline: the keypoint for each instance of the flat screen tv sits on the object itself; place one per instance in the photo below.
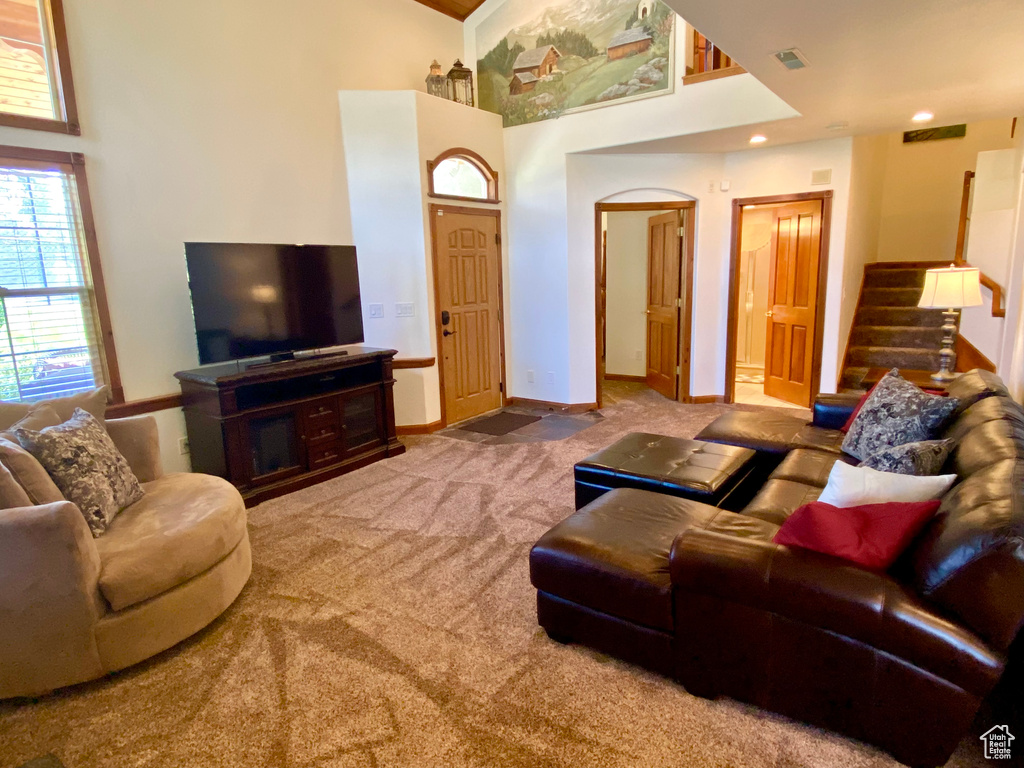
(254, 300)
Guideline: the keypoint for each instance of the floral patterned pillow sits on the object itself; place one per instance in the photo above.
(86, 467)
(896, 412)
(923, 458)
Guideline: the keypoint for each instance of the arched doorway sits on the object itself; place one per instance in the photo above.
(649, 296)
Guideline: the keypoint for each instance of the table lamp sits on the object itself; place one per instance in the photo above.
(950, 289)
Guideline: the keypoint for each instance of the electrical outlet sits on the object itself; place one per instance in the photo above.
(551, 377)
(405, 309)
(376, 310)
(639, 354)
(529, 377)
(183, 446)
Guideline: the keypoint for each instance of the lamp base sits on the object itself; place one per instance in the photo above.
(947, 357)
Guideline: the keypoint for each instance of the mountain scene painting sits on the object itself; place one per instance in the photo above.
(540, 60)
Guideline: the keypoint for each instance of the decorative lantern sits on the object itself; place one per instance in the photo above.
(460, 84)
(437, 83)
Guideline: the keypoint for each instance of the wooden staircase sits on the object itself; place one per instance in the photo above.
(889, 331)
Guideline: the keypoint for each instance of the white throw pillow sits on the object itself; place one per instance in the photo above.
(850, 486)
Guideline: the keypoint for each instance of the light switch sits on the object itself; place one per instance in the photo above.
(376, 310)
(405, 309)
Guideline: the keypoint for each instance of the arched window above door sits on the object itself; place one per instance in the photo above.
(461, 174)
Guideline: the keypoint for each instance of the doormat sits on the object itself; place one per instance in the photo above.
(48, 761)
(500, 423)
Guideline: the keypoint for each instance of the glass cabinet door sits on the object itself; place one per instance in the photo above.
(363, 423)
(273, 446)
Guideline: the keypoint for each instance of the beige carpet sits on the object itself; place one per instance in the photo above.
(390, 622)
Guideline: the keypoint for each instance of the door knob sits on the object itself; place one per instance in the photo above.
(769, 314)
(446, 332)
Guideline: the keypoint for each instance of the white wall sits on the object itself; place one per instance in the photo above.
(865, 213)
(627, 292)
(752, 173)
(923, 187)
(388, 137)
(990, 243)
(219, 121)
(551, 251)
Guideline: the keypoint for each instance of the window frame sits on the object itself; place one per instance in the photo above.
(62, 73)
(74, 163)
(489, 174)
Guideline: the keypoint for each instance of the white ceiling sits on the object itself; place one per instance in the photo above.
(873, 64)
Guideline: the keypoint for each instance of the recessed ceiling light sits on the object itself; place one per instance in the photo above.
(922, 117)
(757, 138)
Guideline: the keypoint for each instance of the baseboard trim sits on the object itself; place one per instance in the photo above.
(625, 377)
(569, 408)
(707, 400)
(419, 429)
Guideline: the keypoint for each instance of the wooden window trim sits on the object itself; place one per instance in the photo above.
(478, 162)
(64, 85)
(24, 157)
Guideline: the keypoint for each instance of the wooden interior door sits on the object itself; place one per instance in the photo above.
(792, 302)
(468, 290)
(663, 269)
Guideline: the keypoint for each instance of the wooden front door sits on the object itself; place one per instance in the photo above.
(663, 268)
(792, 302)
(468, 291)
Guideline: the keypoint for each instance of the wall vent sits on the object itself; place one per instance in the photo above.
(790, 58)
(821, 176)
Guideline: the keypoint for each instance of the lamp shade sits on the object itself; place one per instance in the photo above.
(951, 288)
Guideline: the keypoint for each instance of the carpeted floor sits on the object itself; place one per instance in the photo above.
(390, 622)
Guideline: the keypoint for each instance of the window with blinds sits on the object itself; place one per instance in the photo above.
(49, 340)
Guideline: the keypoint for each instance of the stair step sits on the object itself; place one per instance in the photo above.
(896, 336)
(852, 378)
(890, 297)
(902, 316)
(894, 357)
(894, 278)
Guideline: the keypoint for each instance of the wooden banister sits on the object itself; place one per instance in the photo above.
(998, 310)
(965, 209)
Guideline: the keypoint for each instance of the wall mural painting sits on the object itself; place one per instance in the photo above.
(540, 59)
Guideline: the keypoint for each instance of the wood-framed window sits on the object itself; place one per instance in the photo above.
(461, 174)
(55, 336)
(35, 67)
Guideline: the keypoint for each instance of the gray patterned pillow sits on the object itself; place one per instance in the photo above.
(896, 412)
(85, 465)
(922, 458)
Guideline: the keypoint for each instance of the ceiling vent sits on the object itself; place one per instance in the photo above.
(790, 58)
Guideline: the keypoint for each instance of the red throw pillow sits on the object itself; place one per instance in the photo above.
(871, 535)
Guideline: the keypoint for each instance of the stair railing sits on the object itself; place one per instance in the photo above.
(998, 310)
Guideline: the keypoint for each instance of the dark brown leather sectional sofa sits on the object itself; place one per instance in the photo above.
(901, 660)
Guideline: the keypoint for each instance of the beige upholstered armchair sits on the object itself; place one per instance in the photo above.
(73, 608)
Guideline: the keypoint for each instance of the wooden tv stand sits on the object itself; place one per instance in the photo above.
(272, 429)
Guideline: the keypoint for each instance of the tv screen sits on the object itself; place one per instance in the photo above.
(251, 300)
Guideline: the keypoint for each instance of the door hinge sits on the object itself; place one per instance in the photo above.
(501, 317)
(497, 238)
(679, 303)
(682, 231)
(679, 370)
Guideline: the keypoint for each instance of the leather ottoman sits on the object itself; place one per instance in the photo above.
(689, 469)
(603, 575)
